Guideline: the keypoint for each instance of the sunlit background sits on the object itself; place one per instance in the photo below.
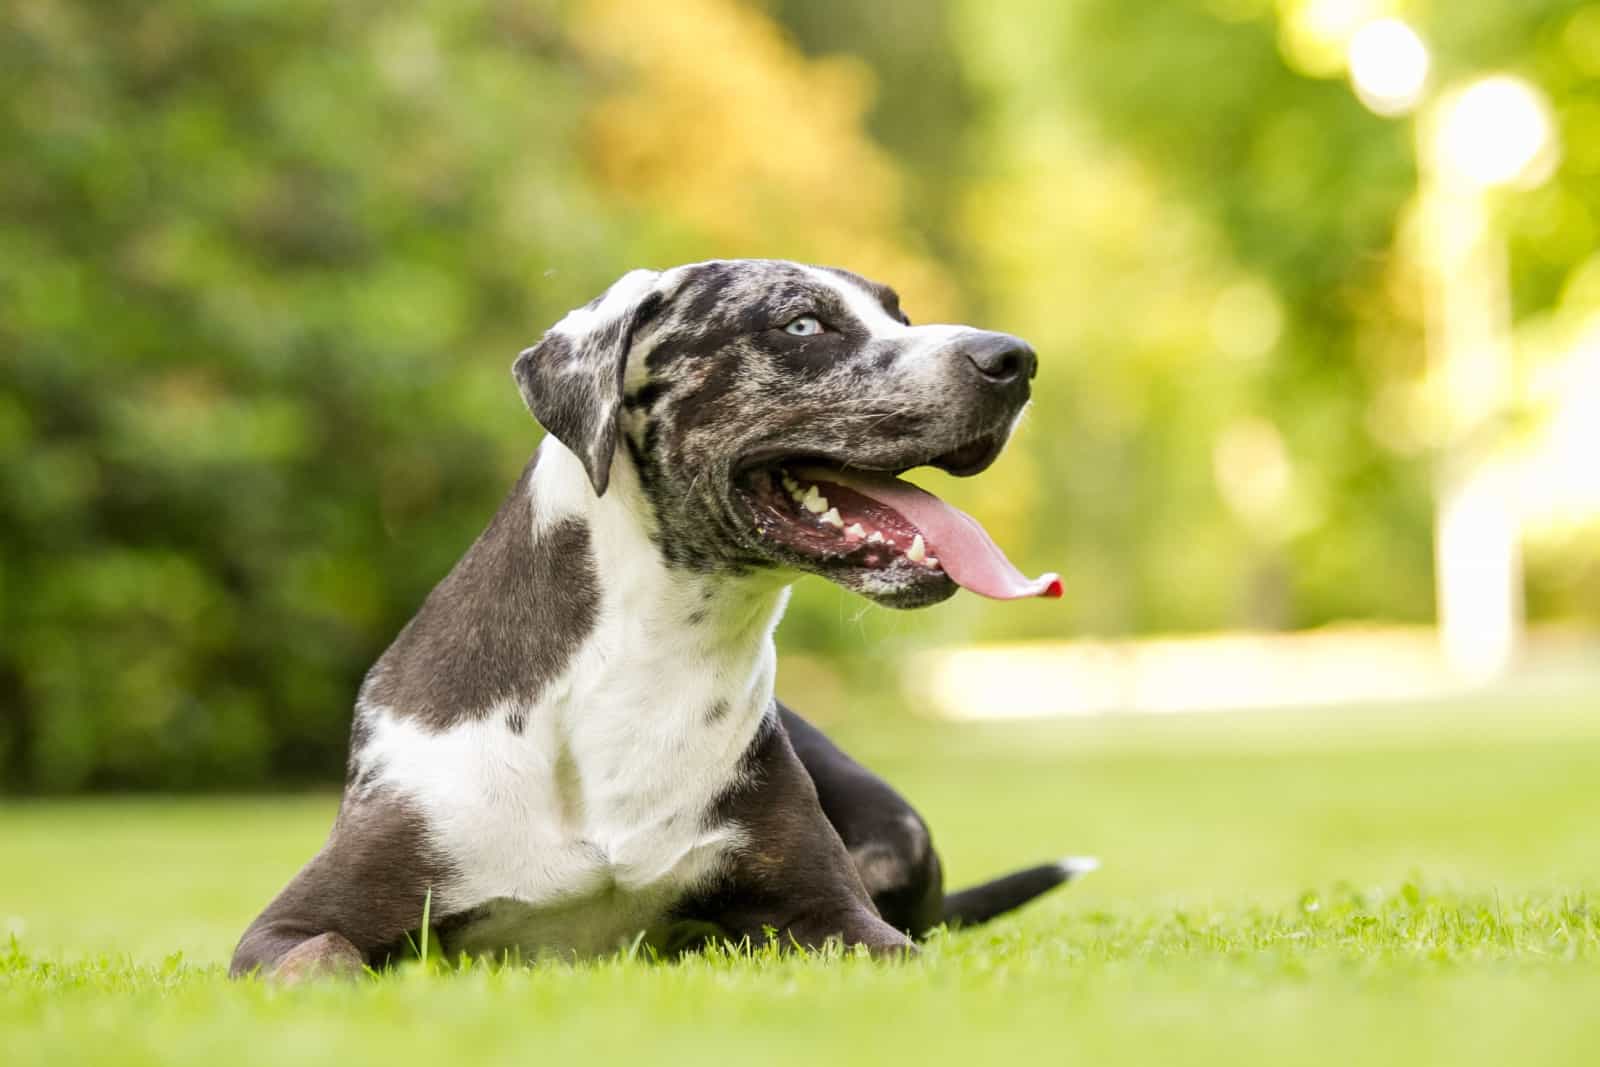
(1315, 284)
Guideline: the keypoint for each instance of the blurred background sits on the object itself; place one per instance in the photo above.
(1315, 285)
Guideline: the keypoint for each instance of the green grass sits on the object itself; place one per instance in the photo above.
(1418, 886)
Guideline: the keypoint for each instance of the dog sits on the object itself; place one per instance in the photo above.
(574, 743)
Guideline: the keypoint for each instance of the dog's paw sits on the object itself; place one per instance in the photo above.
(324, 956)
(882, 941)
(903, 949)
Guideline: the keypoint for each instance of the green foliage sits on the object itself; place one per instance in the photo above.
(263, 266)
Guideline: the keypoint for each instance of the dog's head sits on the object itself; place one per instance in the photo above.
(767, 407)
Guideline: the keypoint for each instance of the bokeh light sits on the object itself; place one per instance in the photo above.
(1388, 66)
(1498, 131)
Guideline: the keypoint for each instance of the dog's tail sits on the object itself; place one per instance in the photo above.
(983, 902)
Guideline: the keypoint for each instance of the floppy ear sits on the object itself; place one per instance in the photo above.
(572, 379)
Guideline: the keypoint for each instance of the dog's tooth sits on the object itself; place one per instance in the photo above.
(918, 551)
(814, 501)
(932, 563)
(832, 518)
(855, 532)
(875, 538)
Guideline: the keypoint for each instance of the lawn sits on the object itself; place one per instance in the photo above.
(1352, 886)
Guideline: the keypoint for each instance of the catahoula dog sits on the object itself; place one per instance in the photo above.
(574, 744)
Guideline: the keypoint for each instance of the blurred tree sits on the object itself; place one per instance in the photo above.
(725, 134)
(1238, 440)
(1205, 233)
(922, 106)
(263, 268)
(1232, 221)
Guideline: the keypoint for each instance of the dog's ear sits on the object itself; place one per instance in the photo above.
(572, 379)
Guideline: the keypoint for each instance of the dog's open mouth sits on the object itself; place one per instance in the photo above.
(875, 521)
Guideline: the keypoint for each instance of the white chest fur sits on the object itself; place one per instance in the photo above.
(585, 827)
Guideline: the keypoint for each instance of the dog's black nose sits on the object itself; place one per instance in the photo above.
(1001, 358)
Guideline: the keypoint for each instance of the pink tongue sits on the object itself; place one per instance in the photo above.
(965, 551)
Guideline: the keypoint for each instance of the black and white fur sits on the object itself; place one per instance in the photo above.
(575, 740)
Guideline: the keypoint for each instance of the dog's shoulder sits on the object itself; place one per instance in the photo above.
(505, 622)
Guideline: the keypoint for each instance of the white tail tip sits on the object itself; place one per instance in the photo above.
(1073, 866)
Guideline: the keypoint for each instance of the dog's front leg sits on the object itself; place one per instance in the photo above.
(888, 841)
(793, 876)
(358, 898)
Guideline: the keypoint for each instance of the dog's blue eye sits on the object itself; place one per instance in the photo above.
(804, 326)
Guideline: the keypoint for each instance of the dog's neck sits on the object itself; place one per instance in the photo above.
(649, 611)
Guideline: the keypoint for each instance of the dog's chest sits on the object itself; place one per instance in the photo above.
(586, 827)
(578, 816)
